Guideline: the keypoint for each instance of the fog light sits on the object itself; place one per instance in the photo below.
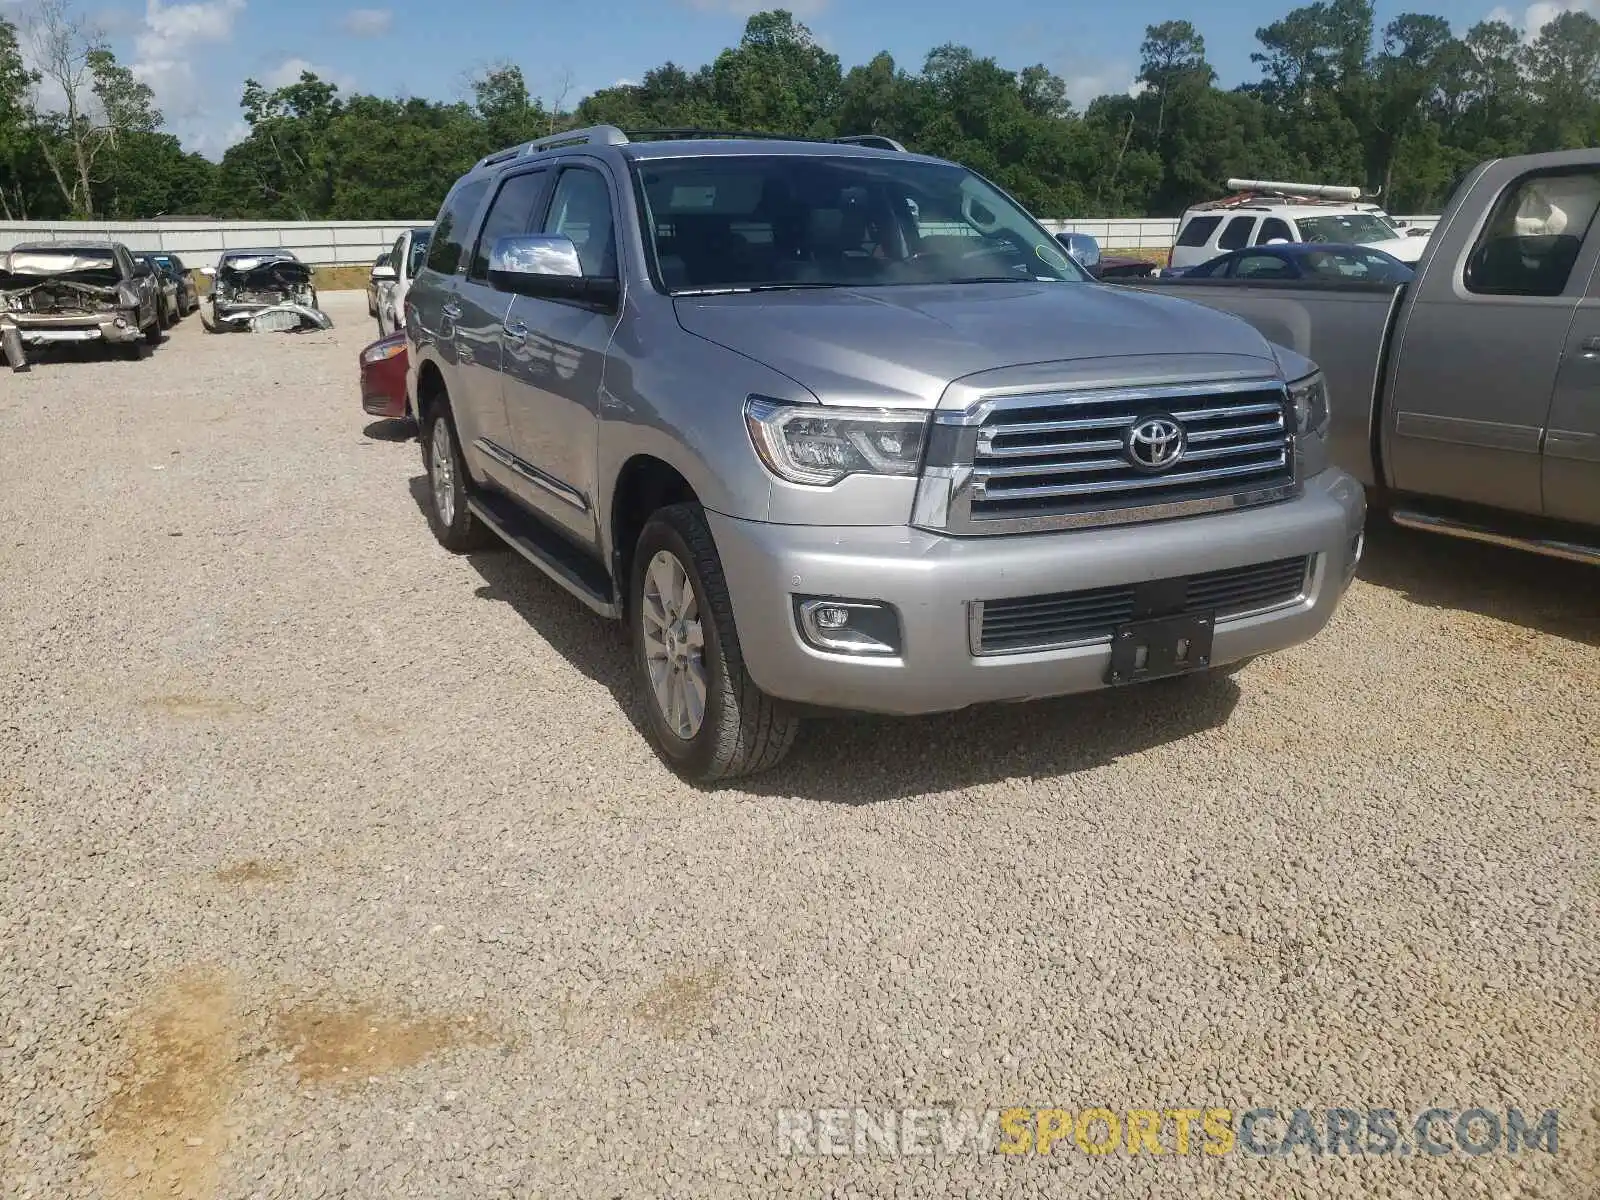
(848, 626)
(832, 616)
(1357, 545)
(122, 322)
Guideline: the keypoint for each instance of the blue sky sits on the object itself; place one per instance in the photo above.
(197, 53)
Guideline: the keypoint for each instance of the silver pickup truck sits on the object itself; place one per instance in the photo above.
(1468, 400)
(840, 427)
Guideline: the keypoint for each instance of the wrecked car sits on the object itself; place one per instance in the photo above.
(263, 291)
(56, 292)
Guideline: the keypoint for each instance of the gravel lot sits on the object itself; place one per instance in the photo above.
(333, 865)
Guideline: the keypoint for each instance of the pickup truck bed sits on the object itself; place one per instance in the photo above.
(1469, 397)
(1342, 327)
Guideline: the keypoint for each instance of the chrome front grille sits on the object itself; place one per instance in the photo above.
(1047, 622)
(1070, 458)
(1068, 453)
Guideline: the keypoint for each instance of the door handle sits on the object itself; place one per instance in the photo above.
(451, 310)
(517, 331)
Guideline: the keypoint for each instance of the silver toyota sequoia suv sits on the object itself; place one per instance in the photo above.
(835, 426)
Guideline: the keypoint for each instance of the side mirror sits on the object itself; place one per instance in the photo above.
(384, 275)
(546, 265)
(1084, 249)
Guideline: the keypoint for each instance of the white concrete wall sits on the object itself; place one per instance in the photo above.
(340, 242)
(199, 243)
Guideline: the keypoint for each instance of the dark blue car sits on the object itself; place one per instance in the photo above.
(1303, 260)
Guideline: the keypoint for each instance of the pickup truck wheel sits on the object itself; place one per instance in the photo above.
(709, 718)
(153, 332)
(452, 521)
(136, 351)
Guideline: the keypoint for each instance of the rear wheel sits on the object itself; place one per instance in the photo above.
(452, 521)
(711, 722)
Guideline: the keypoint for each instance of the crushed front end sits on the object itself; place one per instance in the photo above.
(266, 295)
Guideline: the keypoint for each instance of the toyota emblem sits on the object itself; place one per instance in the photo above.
(1154, 443)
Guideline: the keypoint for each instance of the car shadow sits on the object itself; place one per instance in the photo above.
(858, 759)
(1549, 595)
(64, 354)
(390, 429)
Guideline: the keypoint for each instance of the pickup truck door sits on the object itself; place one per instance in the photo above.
(555, 360)
(1480, 344)
(1572, 436)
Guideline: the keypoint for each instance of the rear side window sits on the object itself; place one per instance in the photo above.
(1198, 231)
(510, 213)
(1534, 234)
(1262, 266)
(449, 248)
(1237, 234)
(1274, 227)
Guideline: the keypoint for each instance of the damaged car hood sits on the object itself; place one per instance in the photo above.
(265, 272)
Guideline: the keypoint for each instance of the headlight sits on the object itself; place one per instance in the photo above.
(379, 351)
(810, 443)
(1310, 397)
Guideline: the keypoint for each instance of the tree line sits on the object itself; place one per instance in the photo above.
(1403, 110)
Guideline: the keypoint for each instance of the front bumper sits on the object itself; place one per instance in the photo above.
(932, 582)
(45, 331)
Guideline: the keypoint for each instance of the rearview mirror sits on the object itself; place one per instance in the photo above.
(383, 275)
(546, 265)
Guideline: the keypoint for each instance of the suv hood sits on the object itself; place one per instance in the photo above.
(902, 346)
(1406, 249)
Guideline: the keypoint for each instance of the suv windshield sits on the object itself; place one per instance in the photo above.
(1346, 227)
(728, 222)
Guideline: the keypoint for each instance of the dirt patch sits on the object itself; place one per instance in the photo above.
(164, 1127)
(680, 1003)
(198, 707)
(350, 1045)
(253, 870)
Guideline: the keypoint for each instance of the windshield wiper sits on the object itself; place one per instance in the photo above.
(758, 287)
(992, 279)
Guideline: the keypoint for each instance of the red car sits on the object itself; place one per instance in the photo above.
(383, 377)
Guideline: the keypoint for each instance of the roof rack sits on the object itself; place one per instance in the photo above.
(610, 135)
(593, 135)
(1259, 193)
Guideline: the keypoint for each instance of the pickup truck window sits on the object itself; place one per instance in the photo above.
(449, 246)
(1237, 235)
(1198, 231)
(1532, 238)
(731, 222)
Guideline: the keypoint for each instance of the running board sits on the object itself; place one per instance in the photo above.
(558, 558)
(1548, 546)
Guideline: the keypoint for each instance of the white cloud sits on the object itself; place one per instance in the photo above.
(626, 82)
(1111, 80)
(165, 49)
(367, 22)
(1536, 16)
(290, 70)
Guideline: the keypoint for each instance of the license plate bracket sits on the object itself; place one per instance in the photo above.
(1142, 650)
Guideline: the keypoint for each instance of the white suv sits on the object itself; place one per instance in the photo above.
(393, 279)
(1257, 216)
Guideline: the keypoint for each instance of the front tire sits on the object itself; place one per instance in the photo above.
(453, 524)
(710, 721)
